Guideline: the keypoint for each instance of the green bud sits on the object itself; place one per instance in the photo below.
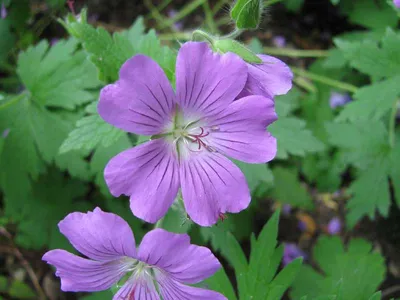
(247, 13)
(237, 48)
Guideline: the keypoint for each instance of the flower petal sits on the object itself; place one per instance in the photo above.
(211, 186)
(172, 290)
(192, 265)
(83, 275)
(141, 101)
(93, 234)
(269, 79)
(242, 131)
(137, 289)
(148, 174)
(207, 82)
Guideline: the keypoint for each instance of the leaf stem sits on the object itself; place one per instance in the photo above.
(233, 35)
(13, 101)
(392, 125)
(295, 52)
(325, 80)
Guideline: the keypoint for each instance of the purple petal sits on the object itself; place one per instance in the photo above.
(269, 79)
(291, 252)
(174, 254)
(173, 290)
(334, 226)
(93, 234)
(3, 11)
(279, 41)
(207, 82)
(396, 3)
(83, 275)
(338, 99)
(242, 131)
(148, 174)
(211, 186)
(137, 289)
(141, 101)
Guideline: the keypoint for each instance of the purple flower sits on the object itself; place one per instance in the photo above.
(334, 226)
(177, 25)
(286, 209)
(396, 3)
(5, 133)
(3, 11)
(291, 252)
(279, 41)
(338, 99)
(162, 265)
(191, 130)
(271, 78)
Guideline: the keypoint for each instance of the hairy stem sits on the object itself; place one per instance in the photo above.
(209, 17)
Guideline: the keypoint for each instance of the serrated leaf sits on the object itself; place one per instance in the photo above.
(372, 102)
(57, 76)
(353, 274)
(288, 189)
(293, 137)
(375, 59)
(90, 132)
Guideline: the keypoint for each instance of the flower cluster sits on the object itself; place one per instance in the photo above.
(220, 108)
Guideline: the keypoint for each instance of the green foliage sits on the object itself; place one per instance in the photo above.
(366, 146)
(227, 45)
(288, 189)
(256, 278)
(7, 40)
(247, 13)
(352, 274)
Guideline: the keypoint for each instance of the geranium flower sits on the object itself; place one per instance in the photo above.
(396, 3)
(162, 265)
(269, 79)
(192, 131)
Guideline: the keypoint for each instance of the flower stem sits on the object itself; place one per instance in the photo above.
(295, 52)
(186, 10)
(209, 17)
(392, 125)
(325, 80)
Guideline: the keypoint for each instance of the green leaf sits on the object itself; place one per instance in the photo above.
(372, 102)
(353, 274)
(372, 14)
(365, 145)
(57, 76)
(288, 189)
(102, 156)
(220, 282)
(7, 40)
(90, 132)
(3, 284)
(293, 5)
(375, 59)
(233, 46)
(256, 174)
(52, 198)
(105, 295)
(21, 290)
(293, 137)
(247, 13)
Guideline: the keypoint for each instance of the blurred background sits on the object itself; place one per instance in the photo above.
(314, 178)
